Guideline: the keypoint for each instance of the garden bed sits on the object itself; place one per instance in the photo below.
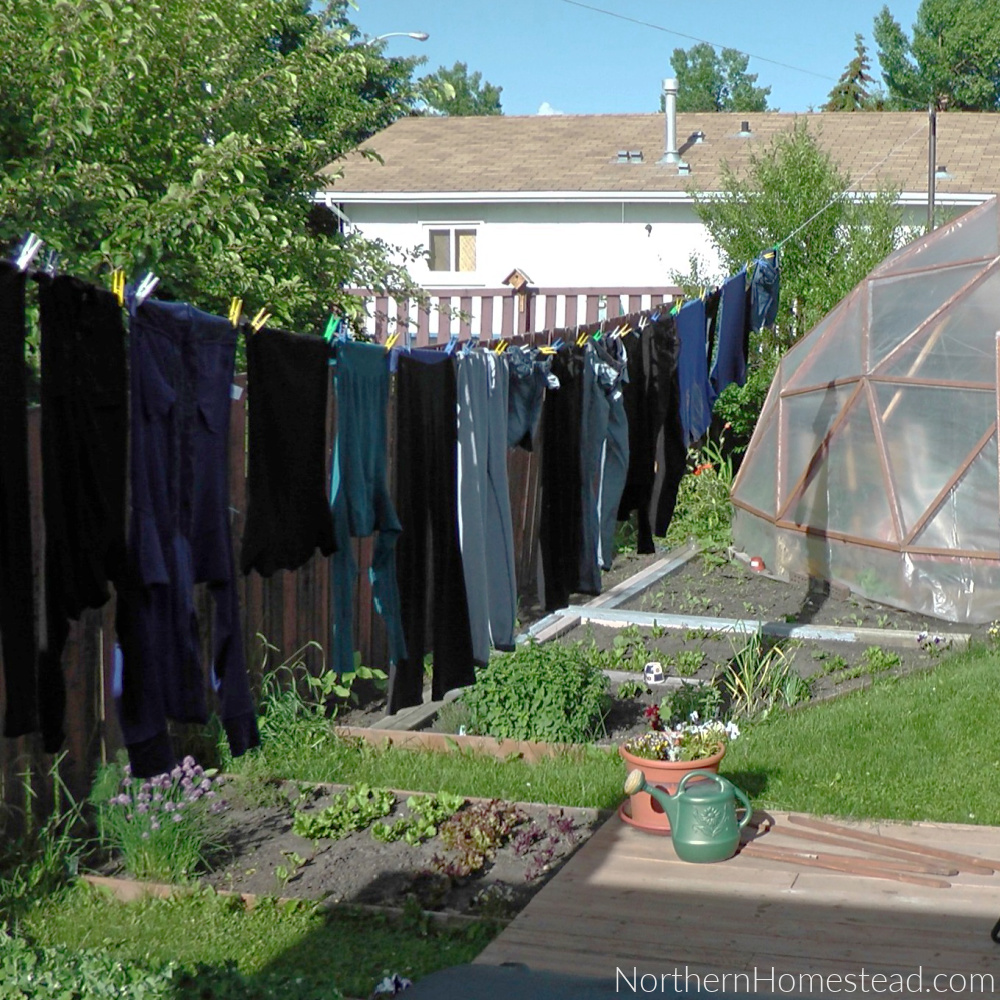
(262, 851)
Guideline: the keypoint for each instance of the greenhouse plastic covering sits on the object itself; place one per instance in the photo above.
(874, 464)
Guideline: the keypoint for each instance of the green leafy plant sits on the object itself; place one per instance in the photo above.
(160, 826)
(630, 689)
(756, 678)
(704, 701)
(703, 510)
(426, 813)
(539, 692)
(692, 740)
(878, 660)
(352, 809)
(689, 662)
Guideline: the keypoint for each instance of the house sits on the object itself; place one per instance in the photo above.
(590, 206)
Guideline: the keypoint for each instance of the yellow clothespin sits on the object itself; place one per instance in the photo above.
(502, 346)
(546, 349)
(391, 341)
(118, 285)
(260, 319)
(235, 311)
(582, 339)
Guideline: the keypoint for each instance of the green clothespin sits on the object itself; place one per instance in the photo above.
(332, 326)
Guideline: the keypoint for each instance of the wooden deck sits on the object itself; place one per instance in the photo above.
(625, 901)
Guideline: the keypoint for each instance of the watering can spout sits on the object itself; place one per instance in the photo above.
(636, 782)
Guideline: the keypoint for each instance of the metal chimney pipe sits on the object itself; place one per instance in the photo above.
(670, 105)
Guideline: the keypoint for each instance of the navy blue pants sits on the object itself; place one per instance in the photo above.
(182, 369)
(731, 357)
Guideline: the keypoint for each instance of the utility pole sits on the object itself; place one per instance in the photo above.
(931, 163)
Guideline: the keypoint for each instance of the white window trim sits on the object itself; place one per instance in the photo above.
(452, 276)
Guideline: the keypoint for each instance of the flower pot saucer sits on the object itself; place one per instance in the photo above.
(625, 815)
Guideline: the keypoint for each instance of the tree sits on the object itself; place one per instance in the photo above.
(707, 81)
(186, 137)
(454, 92)
(851, 93)
(793, 194)
(952, 60)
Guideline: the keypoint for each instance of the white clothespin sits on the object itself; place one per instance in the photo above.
(145, 288)
(32, 244)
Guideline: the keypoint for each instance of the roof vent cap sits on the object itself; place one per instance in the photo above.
(941, 173)
(630, 156)
(744, 132)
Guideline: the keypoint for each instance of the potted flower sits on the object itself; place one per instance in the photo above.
(665, 755)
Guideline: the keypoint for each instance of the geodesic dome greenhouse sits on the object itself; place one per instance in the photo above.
(874, 463)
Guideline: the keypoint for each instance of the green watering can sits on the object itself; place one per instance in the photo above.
(703, 824)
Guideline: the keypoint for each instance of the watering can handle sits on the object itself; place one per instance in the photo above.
(723, 783)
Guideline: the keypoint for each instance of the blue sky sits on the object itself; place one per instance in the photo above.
(579, 61)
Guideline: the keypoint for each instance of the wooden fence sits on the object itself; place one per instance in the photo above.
(491, 313)
(288, 610)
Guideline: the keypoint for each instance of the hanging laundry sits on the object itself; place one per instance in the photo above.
(560, 528)
(603, 461)
(84, 433)
(486, 533)
(427, 500)
(657, 452)
(17, 600)
(530, 375)
(730, 363)
(181, 372)
(692, 371)
(288, 512)
(359, 497)
(765, 287)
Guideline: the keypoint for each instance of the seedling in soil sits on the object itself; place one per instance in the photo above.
(689, 662)
(630, 689)
(884, 621)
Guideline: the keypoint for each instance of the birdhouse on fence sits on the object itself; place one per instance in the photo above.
(521, 285)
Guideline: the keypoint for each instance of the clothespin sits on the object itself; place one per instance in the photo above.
(26, 254)
(332, 326)
(118, 285)
(449, 348)
(390, 341)
(582, 339)
(557, 344)
(643, 321)
(51, 265)
(257, 323)
(235, 311)
(145, 288)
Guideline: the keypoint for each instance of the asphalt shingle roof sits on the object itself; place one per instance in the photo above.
(579, 152)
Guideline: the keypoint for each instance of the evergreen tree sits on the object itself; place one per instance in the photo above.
(851, 91)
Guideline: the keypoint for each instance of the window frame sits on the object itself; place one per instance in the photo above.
(453, 229)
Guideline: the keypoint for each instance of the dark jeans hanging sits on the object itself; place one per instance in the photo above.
(288, 511)
(560, 528)
(360, 497)
(427, 501)
(84, 432)
(657, 453)
(17, 596)
(730, 364)
(182, 367)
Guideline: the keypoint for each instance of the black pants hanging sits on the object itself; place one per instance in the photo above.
(84, 433)
(427, 502)
(561, 528)
(657, 455)
(17, 601)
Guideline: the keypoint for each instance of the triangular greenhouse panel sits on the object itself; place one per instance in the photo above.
(757, 485)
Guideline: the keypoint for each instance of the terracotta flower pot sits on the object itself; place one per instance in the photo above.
(642, 810)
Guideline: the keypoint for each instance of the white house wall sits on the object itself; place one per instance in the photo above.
(556, 245)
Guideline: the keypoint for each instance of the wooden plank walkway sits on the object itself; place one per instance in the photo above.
(624, 901)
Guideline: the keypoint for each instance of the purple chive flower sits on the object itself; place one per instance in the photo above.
(176, 773)
(142, 807)
(128, 768)
(169, 806)
(145, 835)
(189, 762)
(177, 817)
(210, 794)
(154, 825)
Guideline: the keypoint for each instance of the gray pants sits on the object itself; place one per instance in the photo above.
(604, 454)
(485, 531)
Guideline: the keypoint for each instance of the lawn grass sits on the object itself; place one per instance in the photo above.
(296, 944)
(924, 747)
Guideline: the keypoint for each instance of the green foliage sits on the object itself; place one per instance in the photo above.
(711, 81)
(352, 809)
(850, 92)
(878, 660)
(689, 662)
(187, 137)
(630, 689)
(159, 827)
(427, 812)
(539, 692)
(758, 678)
(703, 510)
(703, 700)
(952, 59)
(457, 92)
(474, 835)
(739, 406)
(785, 184)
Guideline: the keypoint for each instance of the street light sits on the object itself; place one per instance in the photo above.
(417, 36)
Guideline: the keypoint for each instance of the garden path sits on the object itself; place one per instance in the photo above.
(625, 901)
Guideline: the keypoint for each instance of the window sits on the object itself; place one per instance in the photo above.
(451, 249)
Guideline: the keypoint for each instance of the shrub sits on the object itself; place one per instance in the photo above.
(540, 692)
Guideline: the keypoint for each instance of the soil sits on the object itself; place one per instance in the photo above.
(257, 840)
